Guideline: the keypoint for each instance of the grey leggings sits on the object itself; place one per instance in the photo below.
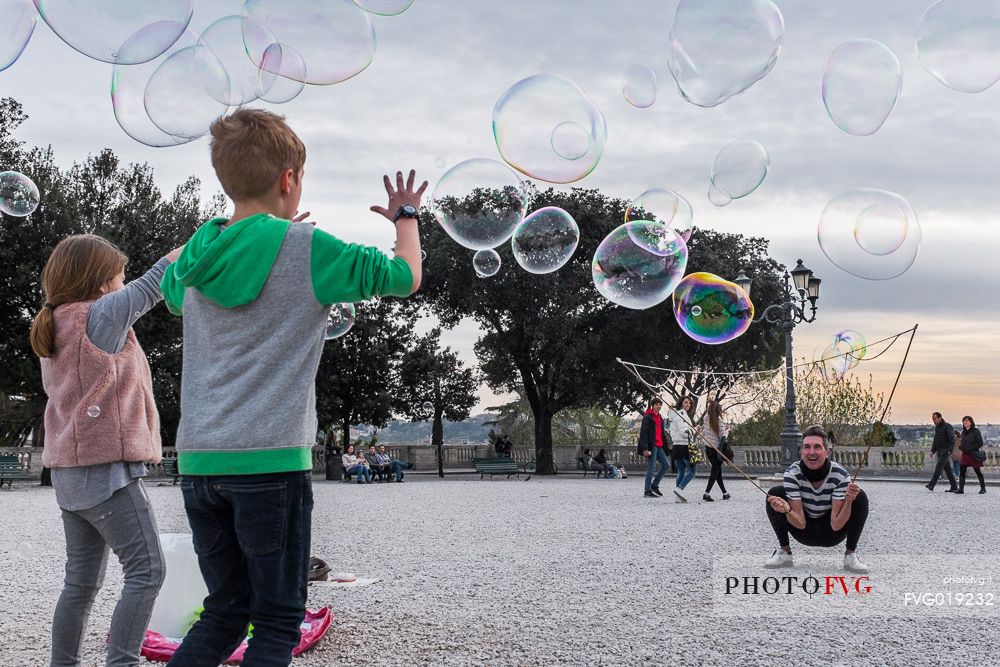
(124, 523)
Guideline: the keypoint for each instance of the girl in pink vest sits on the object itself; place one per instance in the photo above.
(102, 428)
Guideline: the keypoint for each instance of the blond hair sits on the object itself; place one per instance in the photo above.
(251, 148)
(76, 270)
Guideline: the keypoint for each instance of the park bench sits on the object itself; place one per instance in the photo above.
(170, 469)
(11, 469)
(586, 471)
(502, 466)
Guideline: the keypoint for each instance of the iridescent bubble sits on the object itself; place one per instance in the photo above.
(128, 88)
(719, 48)
(529, 126)
(478, 202)
(834, 357)
(639, 86)
(958, 42)
(25, 550)
(710, 309)
(94, 411)
(335, 38)
(281, 73)
(486, 262)
(340, 320)
(739, 168)
(663, 206)
(639, 275)
(18, 17)
(99, 29)
(18, 194)
(240, 44)
(869, 233)
(384, 7)
(182, 96)
(427, 406)
(440, 162)
(545, 240)
(861, 83)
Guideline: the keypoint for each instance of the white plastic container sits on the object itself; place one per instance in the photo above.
(183, 590)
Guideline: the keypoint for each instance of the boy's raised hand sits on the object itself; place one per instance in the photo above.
(401, 195)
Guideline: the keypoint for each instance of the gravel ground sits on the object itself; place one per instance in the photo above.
(549, 571)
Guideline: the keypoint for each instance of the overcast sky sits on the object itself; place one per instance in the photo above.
(441, 66)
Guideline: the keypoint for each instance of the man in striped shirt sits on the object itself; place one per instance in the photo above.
(817, 504)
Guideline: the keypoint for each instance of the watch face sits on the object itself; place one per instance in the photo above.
(409, 210)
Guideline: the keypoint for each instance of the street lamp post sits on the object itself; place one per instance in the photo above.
(800, 286)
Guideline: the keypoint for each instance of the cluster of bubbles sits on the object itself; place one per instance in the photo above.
(719, 48)
(340, 320)
(861, 83)
(545, 240)
(18, 194)
(738, 169)
(639, 264)
(486, 262)
(869, 233)
(834, 357)
(958, 42)
(547, 128)
(710, 309)
(639, 86)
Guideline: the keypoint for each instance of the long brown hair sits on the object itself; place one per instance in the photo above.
(76, 270)
(714, 411)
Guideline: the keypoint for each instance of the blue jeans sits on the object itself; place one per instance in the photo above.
(956, 467)
(360, 471)
(657, 455)
(396, 467)
(685, 472)
(251, 534)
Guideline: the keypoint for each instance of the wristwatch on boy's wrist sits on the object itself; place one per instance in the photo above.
(406, 211)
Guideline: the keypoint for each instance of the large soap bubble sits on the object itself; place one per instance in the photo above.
(99, 29)
(486, 262)
(340, 320)
(546, 127)
(719, 48)
(335, 37)
(240, 44)
(282, 71)
(861, 83)
(739, 168)
(710, 309)
(545, 240)
(639, 86)
(18, 194)
(663, 206)
(18, 19)
(958, 41)
(834, 357)
(869, 233)
(639, 264)
(182, 96)
(384, 7)
(479, 202)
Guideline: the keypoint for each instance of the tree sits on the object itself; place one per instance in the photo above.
(429, 374)
(556, 339)
(359, 372)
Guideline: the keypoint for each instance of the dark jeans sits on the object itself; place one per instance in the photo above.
(658, 455)
(818, 532)
(961, 478)
(715, 475)
(251, 534)
(944, 465)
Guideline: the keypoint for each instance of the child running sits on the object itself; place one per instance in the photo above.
(254, 290)
(101, 428)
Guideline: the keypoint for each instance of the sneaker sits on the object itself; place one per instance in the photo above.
(707, 498)
(726, 496)
(852, 564)
(929, 486)
(960, 491)
(649, 494)
(780, 558)
(982, 491)
(680, 496)
(656, 491)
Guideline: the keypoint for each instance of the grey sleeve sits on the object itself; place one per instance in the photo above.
(113, 314)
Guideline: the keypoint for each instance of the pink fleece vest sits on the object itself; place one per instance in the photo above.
(101, 407)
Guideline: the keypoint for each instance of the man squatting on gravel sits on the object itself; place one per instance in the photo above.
(817, 504)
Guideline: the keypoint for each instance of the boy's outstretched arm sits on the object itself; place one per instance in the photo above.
(407, 232)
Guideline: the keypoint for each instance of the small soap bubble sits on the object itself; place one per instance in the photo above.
(440, 162)
(94, 411)
(696, 311)
(478, 203)
(545, 240)
(570, 140)
(861, 83)
(958, 42)
(639, 86)
(738, 169)
(486, 262)
(427, 406)
(25, 550)
(663, 206)
(18, 194)
(340, 320)
(834, 357)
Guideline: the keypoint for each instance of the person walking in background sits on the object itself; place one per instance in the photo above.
(682, 434)
(714, 432)
(102, 428)
(956, 454)
(653, 443)
(944, 439)
(972, 454)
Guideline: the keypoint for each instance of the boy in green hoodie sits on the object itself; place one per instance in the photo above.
(254, 291)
